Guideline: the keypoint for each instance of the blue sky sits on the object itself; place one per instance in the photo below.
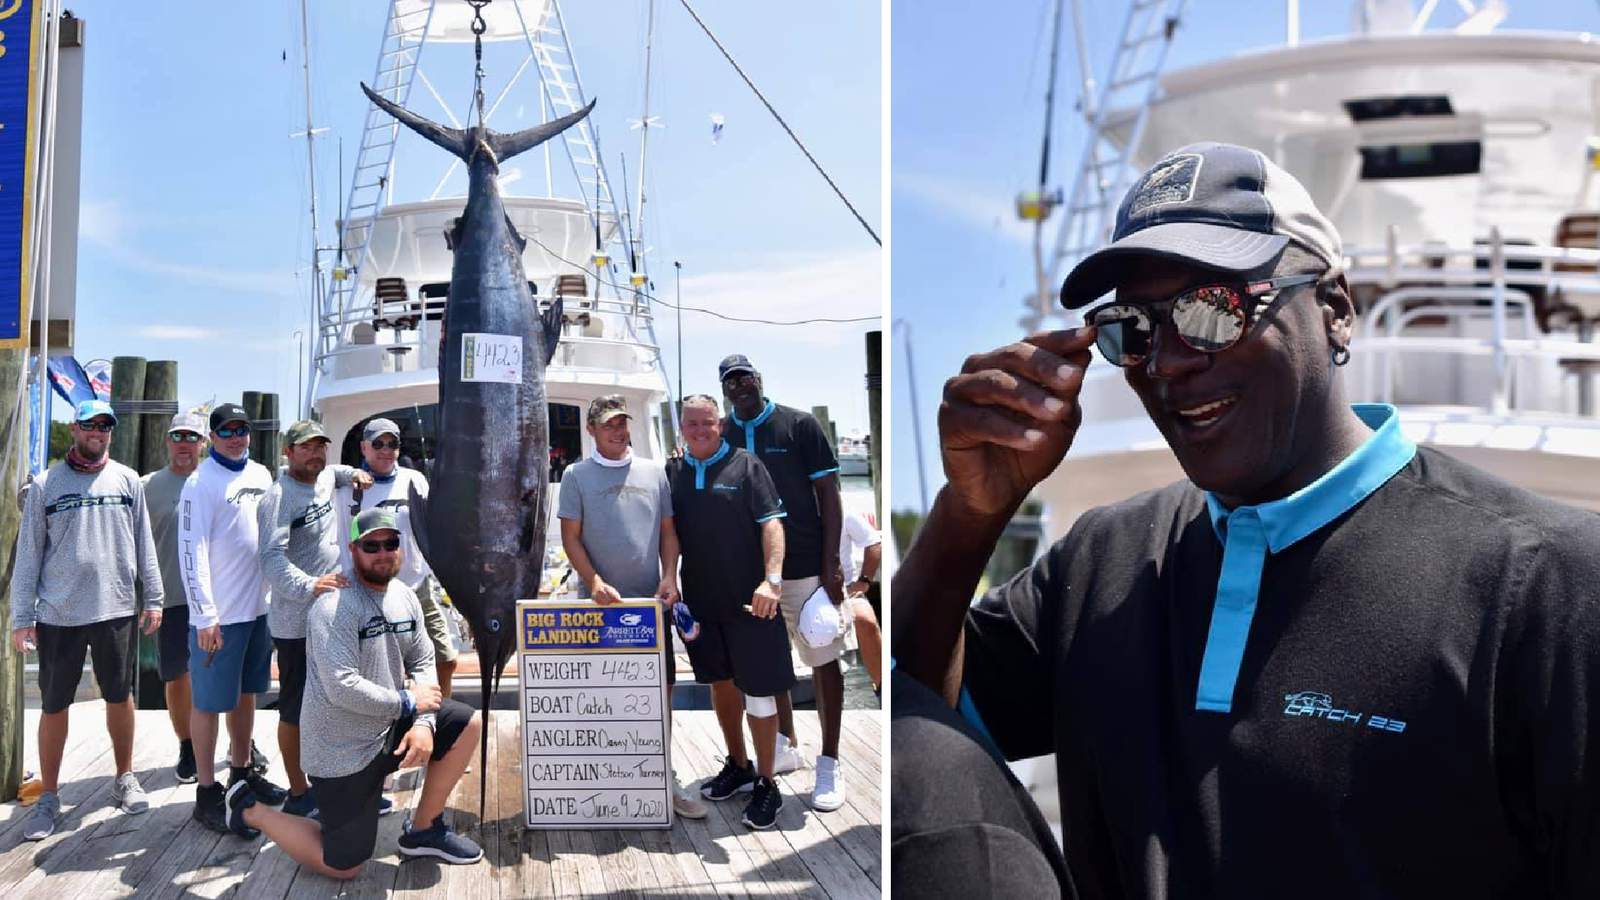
(968, 85)
(195, 236)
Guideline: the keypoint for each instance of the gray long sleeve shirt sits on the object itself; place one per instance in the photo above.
(84, 541)
(300, 543)
(361, 646)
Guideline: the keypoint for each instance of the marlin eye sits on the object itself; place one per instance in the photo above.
(494, 625)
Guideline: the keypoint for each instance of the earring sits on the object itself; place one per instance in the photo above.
(1341, 355)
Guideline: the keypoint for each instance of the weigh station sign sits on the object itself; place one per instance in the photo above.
(594, 715)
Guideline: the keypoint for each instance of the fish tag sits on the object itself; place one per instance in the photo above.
(491, 357)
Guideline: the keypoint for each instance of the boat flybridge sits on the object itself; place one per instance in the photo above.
(379, 327)
(1459, 167)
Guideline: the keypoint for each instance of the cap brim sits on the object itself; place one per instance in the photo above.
(1194, 243)
(608, 415)
(186, 428)
(737, 370)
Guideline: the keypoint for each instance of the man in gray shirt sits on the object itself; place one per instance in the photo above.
(300, 559)
(83, 542)
(616, 527)
(371, 706)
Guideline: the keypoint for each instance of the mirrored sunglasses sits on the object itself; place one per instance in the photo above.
(1210, 318)
(236, 431)
(184, 437)
(390, 444)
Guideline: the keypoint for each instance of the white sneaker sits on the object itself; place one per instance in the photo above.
(828, 795)
(686, 804)
(787, 758)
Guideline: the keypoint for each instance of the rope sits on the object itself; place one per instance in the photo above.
(145, 407)
(792, 136)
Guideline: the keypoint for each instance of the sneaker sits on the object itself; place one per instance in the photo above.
(685, 804)
(440, 841)
(265, 791)
(731, 780)
(385, 806)
(765, 800)
(258, 760)
(828, 794)
(43, 818)
(127, 795)
(240, 798)
(787, 758)
(301, 805)
(185, 769)
(208, 807)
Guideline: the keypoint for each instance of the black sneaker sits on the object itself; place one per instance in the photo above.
(239, 798)
(258, 760)
(301, 805)
(265, 791)
(185, 769)
(208, 807)
(765, 800)
(731, 780)
(438, 840)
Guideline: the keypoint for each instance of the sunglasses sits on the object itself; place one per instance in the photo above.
(184, 437)
(96, 426)
(386, 445)
(1210, 318)
(237, 431)
(387, 544)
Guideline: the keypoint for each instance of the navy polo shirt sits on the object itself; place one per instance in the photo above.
(1383, 692)
(797, 452)
(719, 505)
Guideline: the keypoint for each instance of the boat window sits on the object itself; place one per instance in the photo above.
(566, 438)
(1365, 109)
(1426, 160)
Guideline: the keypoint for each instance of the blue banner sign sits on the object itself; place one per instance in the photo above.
(586, 627)
(17, 73)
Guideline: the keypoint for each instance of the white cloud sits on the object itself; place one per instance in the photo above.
(986, 208)
(784, 289)
(178, 333)
(105, 225)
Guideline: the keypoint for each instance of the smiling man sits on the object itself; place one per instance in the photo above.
(1326, 641)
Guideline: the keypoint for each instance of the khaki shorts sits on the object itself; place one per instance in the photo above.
(796, 591)
(433, 617)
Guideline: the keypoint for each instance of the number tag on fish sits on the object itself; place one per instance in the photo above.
(491, 357)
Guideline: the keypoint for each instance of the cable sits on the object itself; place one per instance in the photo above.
(794, 137)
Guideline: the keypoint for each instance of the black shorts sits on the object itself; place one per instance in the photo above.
(61, 651)
(753, 652)
(349, 803)
(172, 643)
(291, 678)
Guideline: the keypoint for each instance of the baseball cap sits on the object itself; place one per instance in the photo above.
(228, 412)
(1219, 206)
(377, 518)
(604, 409)
(820, 621)
(379, 427)
(88, 409)
(302, 431)
(187, 421)
(734, 365)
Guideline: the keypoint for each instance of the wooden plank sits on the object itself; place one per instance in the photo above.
(86, 745)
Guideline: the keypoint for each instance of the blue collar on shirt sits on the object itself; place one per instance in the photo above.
(700, 466)
(750, 426)
(1250, 533)
(380, 479)
(230, 464)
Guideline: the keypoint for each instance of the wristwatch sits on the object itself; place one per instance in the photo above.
(775, 580)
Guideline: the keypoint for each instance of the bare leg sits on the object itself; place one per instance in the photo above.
(729, 704)
(52, 745)
(178, 699)
(203, 731)
(829, 682)
(443, 774)
(447, 672)
(289, 746)
(299, 837)
(869, 638)
(786, 717)
(764, 731)
(119, 723)
(241, 724)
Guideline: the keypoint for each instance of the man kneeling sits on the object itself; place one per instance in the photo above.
(372, 705)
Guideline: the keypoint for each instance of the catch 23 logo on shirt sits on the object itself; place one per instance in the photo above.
(1317, 705)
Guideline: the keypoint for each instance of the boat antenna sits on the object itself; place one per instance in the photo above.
(311, 174)
(1035, 206)
(644, 123)
(633, 255)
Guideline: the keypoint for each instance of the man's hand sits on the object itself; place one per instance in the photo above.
(332, 581)
(25, 639)
(427, 696)
(764, 602)
(416, 746)
(361, 479)
(150, 620)
(1009, 417)
(209, 639)
(667, 591)
(833, 579)
(603, 594)
(857, 588)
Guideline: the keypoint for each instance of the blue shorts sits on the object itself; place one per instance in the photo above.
(243, 665)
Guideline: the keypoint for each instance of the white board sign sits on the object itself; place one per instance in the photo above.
(595, 726)
(491, 357)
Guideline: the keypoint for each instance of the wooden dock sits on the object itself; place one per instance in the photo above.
(101, 852)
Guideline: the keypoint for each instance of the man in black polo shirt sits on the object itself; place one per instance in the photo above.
(728, 519)
(1330, 663)
(800, 458)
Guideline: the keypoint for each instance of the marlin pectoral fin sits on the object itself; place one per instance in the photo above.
(452, 139)
(419, 522)
(506, 146)
(552, 330)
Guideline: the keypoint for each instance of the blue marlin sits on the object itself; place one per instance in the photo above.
(482, 528)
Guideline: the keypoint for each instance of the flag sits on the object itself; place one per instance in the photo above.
(99, 372)
(69, 380)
